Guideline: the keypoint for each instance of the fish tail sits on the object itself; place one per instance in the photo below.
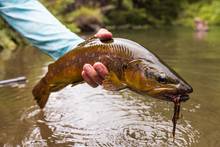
(41, 93)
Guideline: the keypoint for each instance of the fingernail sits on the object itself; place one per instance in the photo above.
(100, 68)
(88, 65)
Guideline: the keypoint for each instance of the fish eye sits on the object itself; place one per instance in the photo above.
(162, 78)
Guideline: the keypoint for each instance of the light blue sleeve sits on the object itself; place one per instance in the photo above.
(39, 26)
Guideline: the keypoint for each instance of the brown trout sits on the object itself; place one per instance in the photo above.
(130, 66)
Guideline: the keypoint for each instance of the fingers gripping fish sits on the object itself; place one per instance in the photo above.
(130, 66)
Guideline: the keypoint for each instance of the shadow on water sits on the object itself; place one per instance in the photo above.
(83, 116)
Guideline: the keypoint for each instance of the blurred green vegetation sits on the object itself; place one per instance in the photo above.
(88, 16)
(9, 39)
(207, 10)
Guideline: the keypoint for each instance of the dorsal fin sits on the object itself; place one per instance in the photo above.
(90, 39)
(87, 41)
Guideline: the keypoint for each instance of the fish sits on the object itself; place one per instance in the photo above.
(130, 66)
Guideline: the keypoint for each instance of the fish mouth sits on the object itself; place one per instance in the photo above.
(174, 97)
(169, 94)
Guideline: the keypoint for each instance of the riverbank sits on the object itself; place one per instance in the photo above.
(79, 114)
(89, 16)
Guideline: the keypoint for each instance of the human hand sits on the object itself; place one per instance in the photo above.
(104, 34)
(94, 75)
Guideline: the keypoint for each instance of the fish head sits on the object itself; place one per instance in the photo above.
(156, 79)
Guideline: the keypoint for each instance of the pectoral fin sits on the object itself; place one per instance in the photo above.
(112, 83)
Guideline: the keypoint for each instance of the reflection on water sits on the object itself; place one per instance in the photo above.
(100, 118)
(200, 35)
(84, 116)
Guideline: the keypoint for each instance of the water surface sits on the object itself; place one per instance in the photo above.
(84, 116)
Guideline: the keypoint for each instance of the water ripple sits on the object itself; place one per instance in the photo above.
(101, 118)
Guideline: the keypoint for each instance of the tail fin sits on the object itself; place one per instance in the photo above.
(41, 93)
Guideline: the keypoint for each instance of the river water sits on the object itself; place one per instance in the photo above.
(84, 116)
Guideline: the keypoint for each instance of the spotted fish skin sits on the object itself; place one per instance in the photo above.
(126, 60)
(67, 69)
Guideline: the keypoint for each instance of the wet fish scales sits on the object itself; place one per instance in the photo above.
(130, 66)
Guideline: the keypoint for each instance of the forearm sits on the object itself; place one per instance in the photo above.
(39, 26)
